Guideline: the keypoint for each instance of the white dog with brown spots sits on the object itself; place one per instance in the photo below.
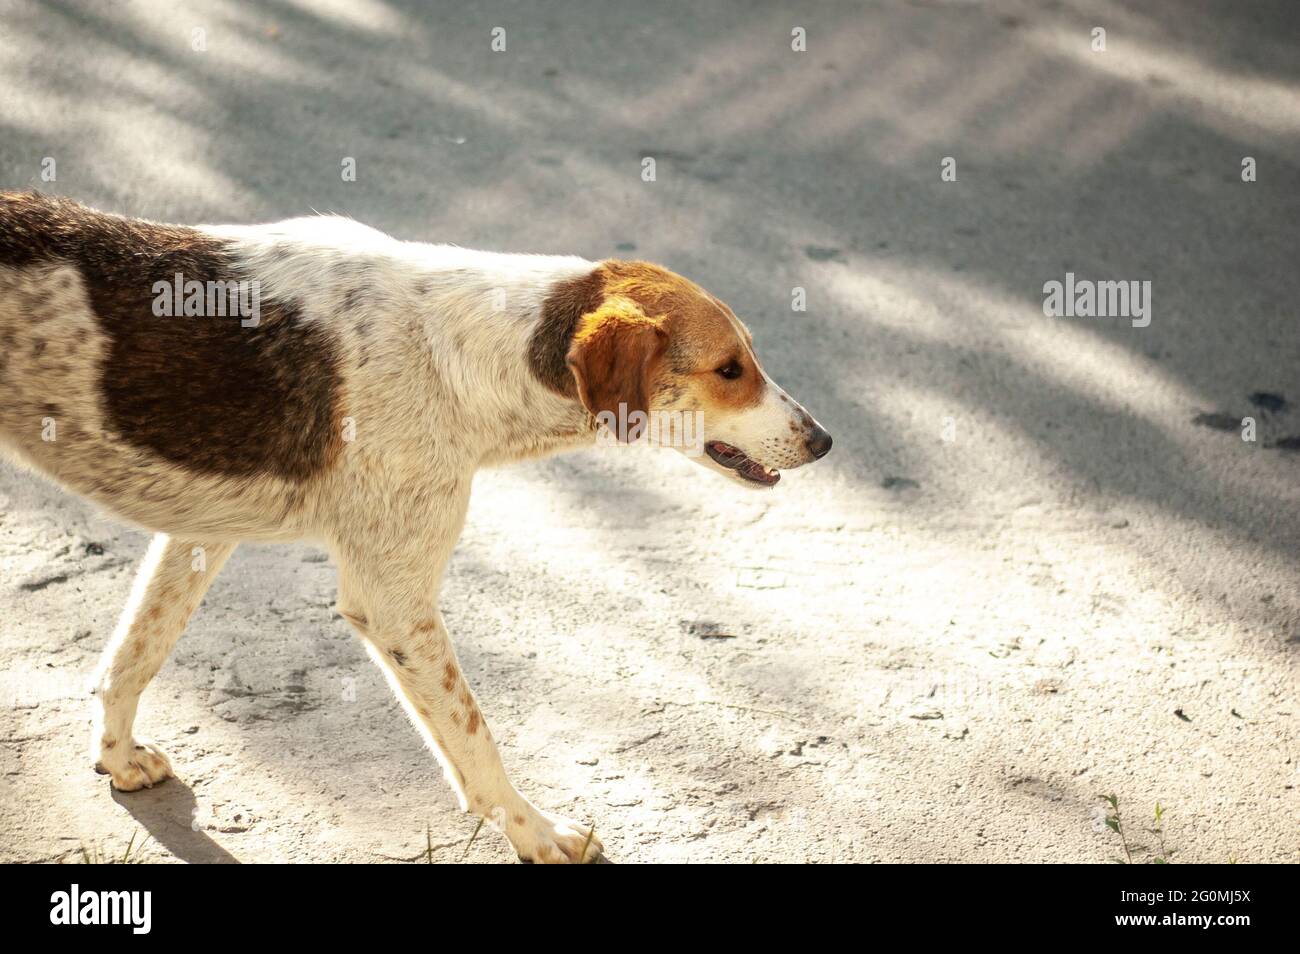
(342, 387)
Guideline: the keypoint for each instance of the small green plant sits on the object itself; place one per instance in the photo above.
(470, 844)
(1159, 832)
(91, 855)
(1116, 824)
(591, 833)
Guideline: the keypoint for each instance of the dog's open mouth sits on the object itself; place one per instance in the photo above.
(733, 458)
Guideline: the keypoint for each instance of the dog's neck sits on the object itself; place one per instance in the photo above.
(496, 330)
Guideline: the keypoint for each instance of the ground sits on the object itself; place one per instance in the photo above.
(1040, 565)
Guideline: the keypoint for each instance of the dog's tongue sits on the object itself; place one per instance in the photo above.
(735, 459)
(757, 472)
(726, 455)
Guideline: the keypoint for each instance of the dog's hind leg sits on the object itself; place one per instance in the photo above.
(168, 587)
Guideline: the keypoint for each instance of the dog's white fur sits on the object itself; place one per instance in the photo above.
(433, 344)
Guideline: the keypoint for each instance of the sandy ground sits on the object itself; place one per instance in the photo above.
(1040, 564)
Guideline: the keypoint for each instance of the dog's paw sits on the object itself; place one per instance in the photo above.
(543, 838)
(134, 766)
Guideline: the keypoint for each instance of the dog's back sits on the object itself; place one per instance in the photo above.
(178, 421)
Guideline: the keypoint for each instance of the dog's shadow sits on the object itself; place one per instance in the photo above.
(167, 812)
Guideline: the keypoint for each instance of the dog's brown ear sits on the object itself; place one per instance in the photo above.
(615, 355)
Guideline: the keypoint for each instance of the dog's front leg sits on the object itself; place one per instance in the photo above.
(391, 600)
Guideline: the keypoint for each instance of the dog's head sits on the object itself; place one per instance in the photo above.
(653, 354)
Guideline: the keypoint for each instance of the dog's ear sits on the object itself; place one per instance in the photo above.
(615, 355)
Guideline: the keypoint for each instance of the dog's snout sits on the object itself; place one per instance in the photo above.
(819, 444)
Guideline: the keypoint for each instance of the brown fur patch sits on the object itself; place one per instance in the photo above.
(473, 718)
(548, 348)
(449, 675)
(658, 291)
(204, 393)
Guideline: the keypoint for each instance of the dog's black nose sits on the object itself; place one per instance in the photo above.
(819, 445)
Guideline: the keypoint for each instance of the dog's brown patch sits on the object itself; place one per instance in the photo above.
(548, 348)
(207, 394)
(656, 290)
(473, 718)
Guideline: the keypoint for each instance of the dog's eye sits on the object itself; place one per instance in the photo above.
(731, 370)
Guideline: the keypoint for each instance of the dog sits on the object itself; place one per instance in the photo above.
(315, 379)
